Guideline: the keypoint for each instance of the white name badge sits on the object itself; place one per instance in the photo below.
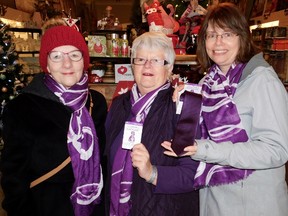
(132, 134)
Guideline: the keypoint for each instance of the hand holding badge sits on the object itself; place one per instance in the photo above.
(132, 134)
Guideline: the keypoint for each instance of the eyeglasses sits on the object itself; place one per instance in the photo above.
(153, 62)
(58, 56)
(226, 36)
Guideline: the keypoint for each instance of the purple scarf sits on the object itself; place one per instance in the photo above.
(82, 144)
(220, 122)
(122, 170)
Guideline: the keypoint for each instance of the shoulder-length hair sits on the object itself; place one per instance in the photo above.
(226, 16)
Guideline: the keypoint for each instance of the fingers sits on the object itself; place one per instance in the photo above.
(191, 148)
(169, 153)
(140, 156)
(188, 151)
(141, 160)
(167, 146)
(177, 92)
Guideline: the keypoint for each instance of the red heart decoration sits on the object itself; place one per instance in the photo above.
(122, 70)
(98, 48)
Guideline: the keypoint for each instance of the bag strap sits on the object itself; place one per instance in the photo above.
(63, 164)
(91, 104)
(51, 173)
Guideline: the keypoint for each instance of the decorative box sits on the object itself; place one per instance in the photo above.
(97, 45)
(280, 44)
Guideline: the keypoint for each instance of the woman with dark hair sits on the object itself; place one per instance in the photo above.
(244, 123)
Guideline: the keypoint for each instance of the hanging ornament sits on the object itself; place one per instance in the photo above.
(4, 60)
(2, 69)
(16, 62)
(10, 68)
(3, 27)
(70, 21)
(4, 89)
(3, 66)
(9, 81)
(2, 76)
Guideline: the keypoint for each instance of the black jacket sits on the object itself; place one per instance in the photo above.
(35, 142)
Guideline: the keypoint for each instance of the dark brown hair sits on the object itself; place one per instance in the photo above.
(226, 16)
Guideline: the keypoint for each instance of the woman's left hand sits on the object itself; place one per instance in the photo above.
(188, 151)
(141, 160)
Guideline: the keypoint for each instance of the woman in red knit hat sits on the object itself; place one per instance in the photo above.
(51, 158)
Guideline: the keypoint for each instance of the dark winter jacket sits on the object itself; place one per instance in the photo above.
(35, 142)
(174, 194)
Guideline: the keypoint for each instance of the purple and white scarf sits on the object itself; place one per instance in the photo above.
(82, 144)
(122, 170)
(220, 122)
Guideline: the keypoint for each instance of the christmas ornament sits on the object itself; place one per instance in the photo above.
(2, 76)
(70, 21)
(4, 89)
(12, 80)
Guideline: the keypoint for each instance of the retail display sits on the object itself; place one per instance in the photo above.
(274, 43)
(12, 79)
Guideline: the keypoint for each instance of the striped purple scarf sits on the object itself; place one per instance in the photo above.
(82, 144)
(122, 170)
(220, 122)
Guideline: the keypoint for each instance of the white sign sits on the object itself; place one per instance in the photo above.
(123, 72)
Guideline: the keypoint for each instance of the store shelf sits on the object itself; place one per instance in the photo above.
(108, 31)
(32, 30)
(116, 60)
(186, 60)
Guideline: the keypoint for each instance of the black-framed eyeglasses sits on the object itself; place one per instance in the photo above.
(153, 62)
(58, 56)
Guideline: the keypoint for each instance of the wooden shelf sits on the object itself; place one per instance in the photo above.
(186, 60)
(32, 30)
(124, 60)
(107, 89)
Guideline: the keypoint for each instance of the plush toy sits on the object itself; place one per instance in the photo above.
(190, 22)
(153, 16)
(157, 16)
(193, 9)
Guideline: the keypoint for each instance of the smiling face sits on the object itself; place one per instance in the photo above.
(222, 51)
(66, 72)
(148, 77)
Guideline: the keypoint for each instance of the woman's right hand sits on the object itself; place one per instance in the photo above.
(177, 92)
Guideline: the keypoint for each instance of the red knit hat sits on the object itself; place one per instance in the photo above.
(60, 36)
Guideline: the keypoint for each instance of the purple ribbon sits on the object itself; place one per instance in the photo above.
(188, 120)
